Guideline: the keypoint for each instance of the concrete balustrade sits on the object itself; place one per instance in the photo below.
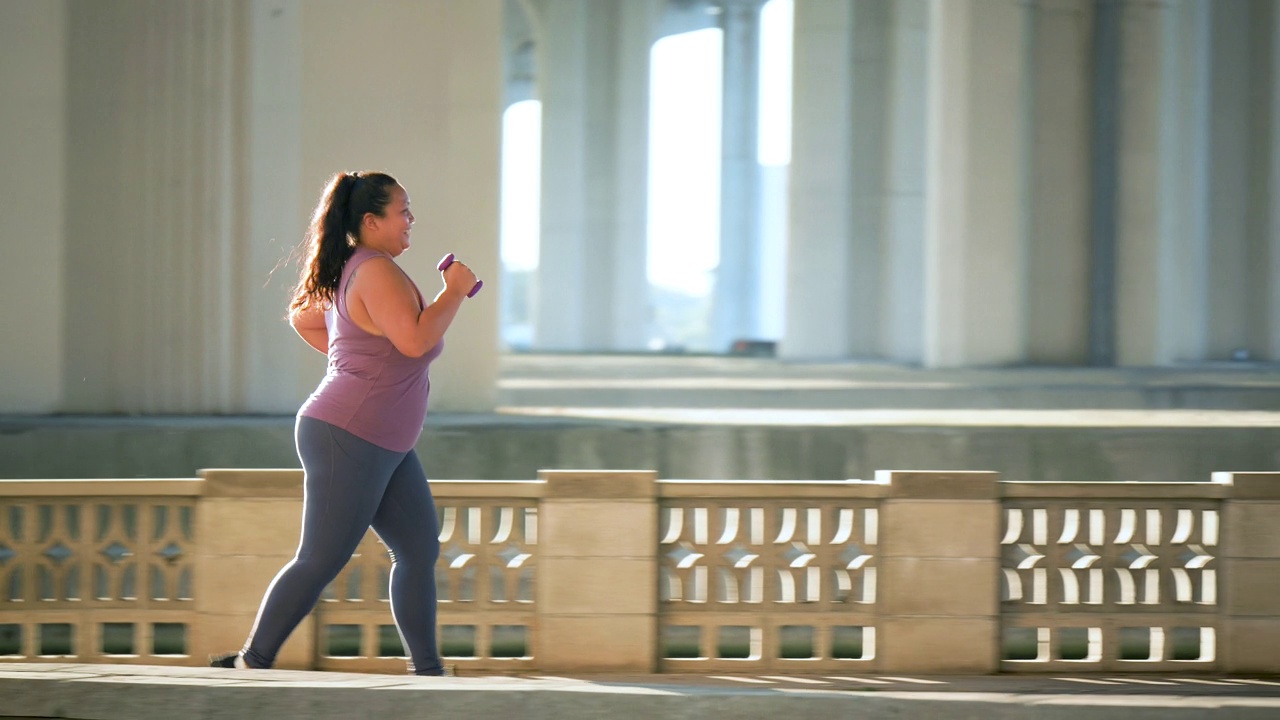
(620, 572)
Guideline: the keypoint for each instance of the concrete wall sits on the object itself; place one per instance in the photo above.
(33, 204)
(163, 161)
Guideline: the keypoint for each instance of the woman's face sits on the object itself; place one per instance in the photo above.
(390, 233)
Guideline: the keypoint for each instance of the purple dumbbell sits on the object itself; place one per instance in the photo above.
(446, 262)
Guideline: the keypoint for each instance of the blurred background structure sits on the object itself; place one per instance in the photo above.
(958, 186)
(725, 240)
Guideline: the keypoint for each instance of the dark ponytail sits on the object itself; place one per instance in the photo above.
(335, 231)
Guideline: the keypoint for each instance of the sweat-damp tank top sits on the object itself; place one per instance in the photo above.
(370, 390)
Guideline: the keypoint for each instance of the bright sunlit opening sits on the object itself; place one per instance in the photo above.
(521, 180)
(777, 20)
(684, 160)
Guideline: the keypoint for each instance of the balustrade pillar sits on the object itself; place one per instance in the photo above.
(597, 588)
(939, 569)
(1251, 555)
(248, 524)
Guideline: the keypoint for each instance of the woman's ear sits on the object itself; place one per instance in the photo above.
(370, 221)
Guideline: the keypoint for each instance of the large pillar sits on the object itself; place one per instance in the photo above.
(837, 180)
(975, 301)
(1162, 240)
(278, 369)
(1239, 194)
(594, 84)
(736, 311)
(1057, 314)
(33, 81)
(903, 281)
(152, 197)
(1273, 232)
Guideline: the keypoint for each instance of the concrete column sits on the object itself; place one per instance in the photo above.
(1251, 572)
(1162, 183)
(837, 179)
(33, 81)
(940, 530)
(1057, 224)
(593, 81)
(153, 127)
(821, 181)
(975, 297)
(278, 369)
(1238, 194)
(432, 117)
(1273, 231)
(597, 589)
(902, 320)
(736, 311)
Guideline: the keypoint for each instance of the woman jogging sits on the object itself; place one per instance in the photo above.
(355, 434)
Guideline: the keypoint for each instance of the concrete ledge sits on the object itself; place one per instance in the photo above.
(98, 692)
(103, 487)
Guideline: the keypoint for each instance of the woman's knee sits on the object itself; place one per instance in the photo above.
(418, 551)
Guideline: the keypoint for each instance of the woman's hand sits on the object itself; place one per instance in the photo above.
(458, 278)
(381, 290)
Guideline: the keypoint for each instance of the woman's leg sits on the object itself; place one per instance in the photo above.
(406, 521)
(345, 479)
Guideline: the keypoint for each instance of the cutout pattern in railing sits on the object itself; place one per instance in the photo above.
(129, 562)
(766, 583)
(1111, 583)
(484, 583)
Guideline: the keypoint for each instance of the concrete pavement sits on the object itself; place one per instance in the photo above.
(136, 692)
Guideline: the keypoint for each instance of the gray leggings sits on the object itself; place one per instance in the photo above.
(351, 484)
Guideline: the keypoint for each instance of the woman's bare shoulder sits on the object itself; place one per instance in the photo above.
(379, 279)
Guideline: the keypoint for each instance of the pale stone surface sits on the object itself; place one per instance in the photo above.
(594, 529)
(1249, 644)
(568, 585)
(1114, 490)
(588, 484)
(597, 643)
(939, 529)
(116, 693)
(940, 587)
(939, 645)
(1253, 588)
(1251, 485)
(102, 487)
(1252, 529)
(252, 483)
(250, 527)
(941, 485)
(1058, 193)
(975, 287)
(33, 201)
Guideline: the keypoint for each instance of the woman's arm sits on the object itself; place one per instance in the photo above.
(310, 325)
(392, 304)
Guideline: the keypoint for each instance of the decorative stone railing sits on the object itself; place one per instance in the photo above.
(618, 571)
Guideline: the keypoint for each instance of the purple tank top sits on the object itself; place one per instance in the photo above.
(371, 390)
